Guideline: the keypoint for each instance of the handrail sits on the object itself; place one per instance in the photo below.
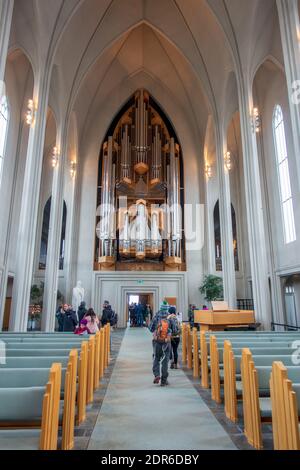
(285, 326)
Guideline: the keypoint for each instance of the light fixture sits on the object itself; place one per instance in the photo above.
(228, 162)
(208, 171)
(30, 113)
(55, 157)
(255, 121)
(73, 169)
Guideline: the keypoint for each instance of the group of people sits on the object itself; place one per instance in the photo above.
(166, 327)
(140, 314)
(84, 321)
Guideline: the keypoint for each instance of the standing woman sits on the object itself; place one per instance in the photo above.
(92, 321)
(176, 333)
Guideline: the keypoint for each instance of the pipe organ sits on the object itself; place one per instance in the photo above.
(139, 217)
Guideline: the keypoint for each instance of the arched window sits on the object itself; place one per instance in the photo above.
(63, 238)
(4, 117)
(218, 241)
(284, 176)
(217, 229)
(45, 236)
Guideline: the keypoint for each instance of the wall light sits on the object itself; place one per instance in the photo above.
(30, 113)
(228, 161)
(256, 121)
(208, 171)
(55, 157)
(73, 169)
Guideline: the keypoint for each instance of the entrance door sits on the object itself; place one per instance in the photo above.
(144, 299)
(8, 302)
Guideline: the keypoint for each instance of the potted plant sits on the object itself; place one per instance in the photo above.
(212, 288)
(36, 304)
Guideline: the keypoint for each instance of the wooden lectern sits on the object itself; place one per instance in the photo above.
(221, 317)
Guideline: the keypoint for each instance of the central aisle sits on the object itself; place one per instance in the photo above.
(137, 415)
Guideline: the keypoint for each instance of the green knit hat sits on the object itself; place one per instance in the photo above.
(164, 306)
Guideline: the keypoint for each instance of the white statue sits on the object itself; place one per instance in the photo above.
(77, 297)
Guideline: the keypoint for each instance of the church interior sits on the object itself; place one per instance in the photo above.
(149, 157)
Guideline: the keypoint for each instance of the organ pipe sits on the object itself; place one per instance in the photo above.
(140, 139)
(107, 206)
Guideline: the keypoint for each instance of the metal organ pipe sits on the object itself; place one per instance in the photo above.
(141, 230)
(125, 154)
(175, 200)
(107, 212)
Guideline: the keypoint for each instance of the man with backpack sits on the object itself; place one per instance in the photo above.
(162, 329)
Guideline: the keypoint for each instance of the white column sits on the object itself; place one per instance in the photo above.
(55, 229)
(290, 36)
(254, 207)
(6, 11)
(229, 279)
(29, 207)
(72, 235)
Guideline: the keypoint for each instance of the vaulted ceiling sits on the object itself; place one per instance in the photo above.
(189, 48)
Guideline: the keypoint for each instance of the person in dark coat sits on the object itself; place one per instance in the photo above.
(82, 311)
(140, 315)
(107, 314)
(70, 319)
(60, 318)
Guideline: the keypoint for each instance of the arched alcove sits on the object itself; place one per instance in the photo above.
(45, 236)
(141, 176)
(218, 239)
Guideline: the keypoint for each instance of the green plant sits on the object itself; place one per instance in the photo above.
(212, 288)
(37, 295)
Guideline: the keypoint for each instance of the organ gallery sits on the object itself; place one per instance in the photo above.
(139, 223)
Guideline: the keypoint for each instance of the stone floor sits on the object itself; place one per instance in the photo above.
(137, 415)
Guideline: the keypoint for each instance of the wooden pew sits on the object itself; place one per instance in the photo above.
(252, 377)
(285, 398)
(217, 360)
(232, 373)
(40, 362)
(42, 405)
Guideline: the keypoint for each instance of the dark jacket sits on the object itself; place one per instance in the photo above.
(70, 321)
(82, 311)
(60, 319)
(107, 315)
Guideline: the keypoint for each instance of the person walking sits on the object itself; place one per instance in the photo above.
(140, 315)
(175, 338)
(161, 328)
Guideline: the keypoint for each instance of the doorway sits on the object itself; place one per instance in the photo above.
(8, 302)
(136, 298)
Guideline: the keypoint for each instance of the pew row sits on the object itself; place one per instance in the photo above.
(285, 398)
(34, 407)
